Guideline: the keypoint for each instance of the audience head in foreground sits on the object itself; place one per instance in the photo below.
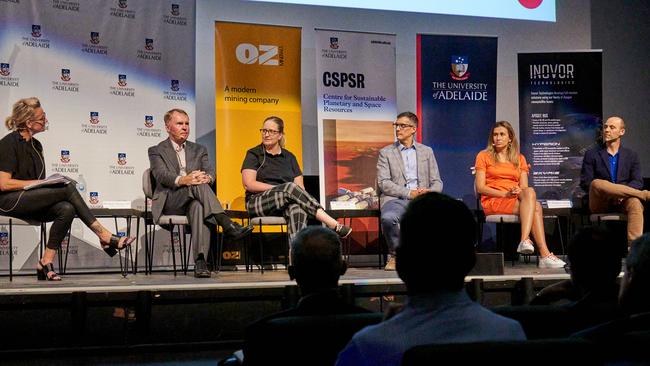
(316, 259)
(437, 244)
(435, 253)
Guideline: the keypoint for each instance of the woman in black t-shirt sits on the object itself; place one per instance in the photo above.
(274, 183)
(22, 165)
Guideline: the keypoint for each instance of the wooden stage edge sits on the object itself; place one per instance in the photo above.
(243, 281)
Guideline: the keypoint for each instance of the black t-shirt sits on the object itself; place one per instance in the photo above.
(22, 158)
(271, 169)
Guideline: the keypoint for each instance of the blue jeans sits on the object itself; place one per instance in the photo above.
(391, 214)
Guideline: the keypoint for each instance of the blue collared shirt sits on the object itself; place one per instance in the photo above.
(613, 166)
(444, 317)
(410, 165)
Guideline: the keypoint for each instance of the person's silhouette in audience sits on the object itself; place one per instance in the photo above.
(435, 253)
(633, 297)
(316, 265)
(594, 270)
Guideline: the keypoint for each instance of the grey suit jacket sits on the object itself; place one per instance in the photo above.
(165, 169)
(391, 174)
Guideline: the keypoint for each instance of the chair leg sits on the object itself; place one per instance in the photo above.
(559, 229)
(184, 254)
(171, 232)
(11, 251)
(287, 259)
(261, 249)
(65, 257)
(152, 249)
(219, 250)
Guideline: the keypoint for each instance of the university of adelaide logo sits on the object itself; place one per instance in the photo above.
(4, 69)
(65, 74)
(36, 30)
(148, 121)
(94, 126)
(4, 238)
(94, 37)
(459, 66)
(121, 80)
(93, 198)
(334, 43)
(175, 85)
(94, 118)
(65, 156)
(148, 44)
(121, 158)
(176, 10)
(65, 165)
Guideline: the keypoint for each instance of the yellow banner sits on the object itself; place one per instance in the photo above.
(257, 75)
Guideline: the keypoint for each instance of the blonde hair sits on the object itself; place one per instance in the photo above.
(512, 152)
(280, 123)
(22, 112)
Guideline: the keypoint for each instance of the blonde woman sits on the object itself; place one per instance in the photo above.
(502, 182)
(274, 184)
(22, 164)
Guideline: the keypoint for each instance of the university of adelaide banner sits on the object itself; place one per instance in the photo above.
(456, 102)
(560, 110)
(257, 76)
(105, 71)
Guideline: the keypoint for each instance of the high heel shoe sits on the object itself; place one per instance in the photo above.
(42, 273)
(113, 245)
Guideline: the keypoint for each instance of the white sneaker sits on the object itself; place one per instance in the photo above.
(525, 247)
(551, 261)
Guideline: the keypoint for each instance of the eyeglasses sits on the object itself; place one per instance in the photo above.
(401, 126)
(264, 131)
(41, 121)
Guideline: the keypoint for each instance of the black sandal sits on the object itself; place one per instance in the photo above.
(43, 272)
(113, 245)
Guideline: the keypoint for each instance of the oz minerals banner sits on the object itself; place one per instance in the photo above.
(456, 101)
(560, 110)
(257, 76)
(355, 75)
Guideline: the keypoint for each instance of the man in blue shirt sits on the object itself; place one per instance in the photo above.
(405, 170)
(438, 309)
(611, 174)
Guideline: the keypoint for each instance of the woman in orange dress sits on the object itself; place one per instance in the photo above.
(502, 182)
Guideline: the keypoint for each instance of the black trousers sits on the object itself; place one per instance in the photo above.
(58, 204)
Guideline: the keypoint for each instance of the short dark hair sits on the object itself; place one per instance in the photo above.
(593, 261)
(411, 116)
(316, 258)
(437, 244)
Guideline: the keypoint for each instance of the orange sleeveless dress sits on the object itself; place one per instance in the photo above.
(502, 177)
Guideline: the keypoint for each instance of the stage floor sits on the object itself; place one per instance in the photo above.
(240, 279)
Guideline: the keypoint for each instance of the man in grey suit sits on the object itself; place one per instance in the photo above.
(405, 170)
(182, 187)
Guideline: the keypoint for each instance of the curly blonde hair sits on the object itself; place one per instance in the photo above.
(22, 112)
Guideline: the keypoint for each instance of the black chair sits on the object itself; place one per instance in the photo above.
(171, 222)
(549, 321)
(11, 221)
(545, 352)
(303, 340)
